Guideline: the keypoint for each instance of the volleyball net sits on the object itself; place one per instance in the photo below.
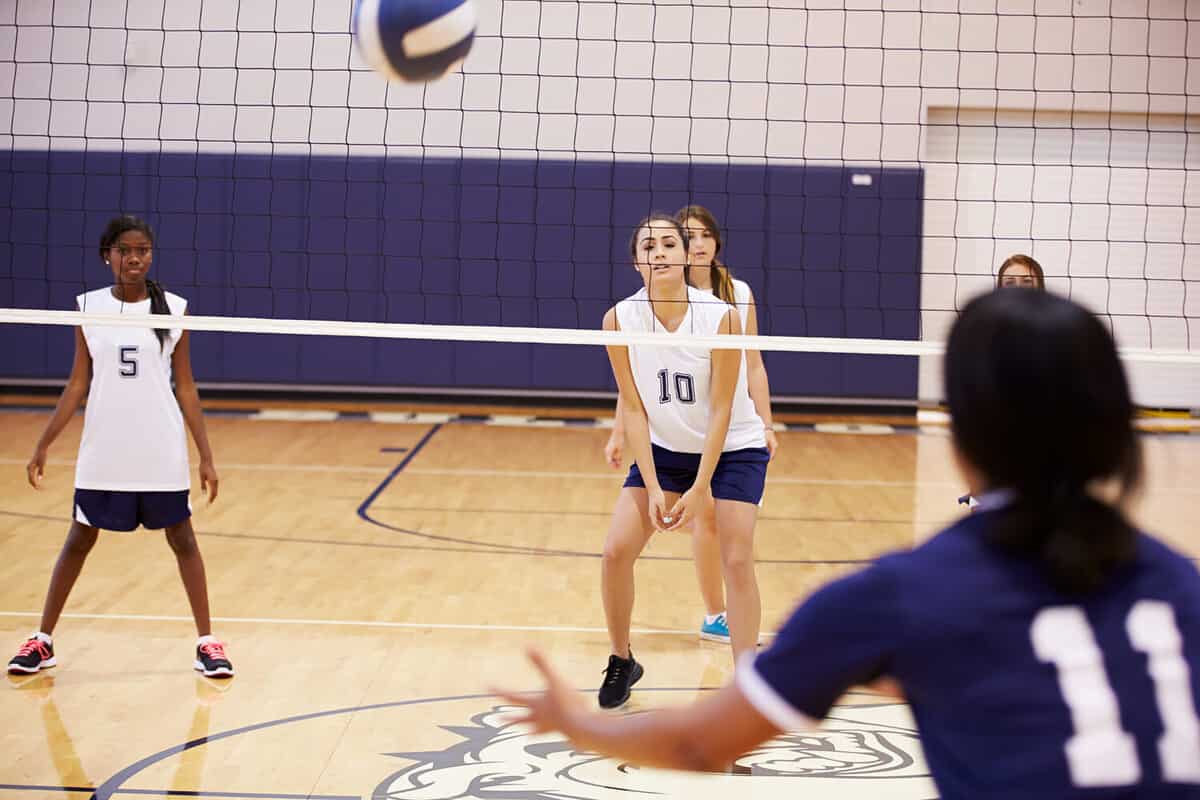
(870, 169)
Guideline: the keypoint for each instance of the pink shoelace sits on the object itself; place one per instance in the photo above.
(32, 645)
(213, 650)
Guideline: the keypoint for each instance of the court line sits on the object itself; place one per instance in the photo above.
(114, 784)
(20, 787)
(616, 475)
(357, 623)
(365, 506)
(606, 476)
(475, 548)
(234, 465)
(362, 508)
(566, 513)
(182, 792)
(515, 473)
(267, 795)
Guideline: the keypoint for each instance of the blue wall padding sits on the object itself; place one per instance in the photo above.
(476, 241)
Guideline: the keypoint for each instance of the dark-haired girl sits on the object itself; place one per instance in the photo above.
(1049, 649)
(132, 467)
(696, 441)
(714, 568)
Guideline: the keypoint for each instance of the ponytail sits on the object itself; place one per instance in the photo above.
(158, 305)
(1079, 540)
(722, 283)
(719, 275)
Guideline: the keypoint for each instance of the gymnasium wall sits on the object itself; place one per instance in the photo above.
(474, 241)
(740, 91)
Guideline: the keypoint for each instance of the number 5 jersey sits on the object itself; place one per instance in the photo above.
(133, 431)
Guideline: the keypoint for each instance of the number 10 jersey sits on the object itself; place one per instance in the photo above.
(675, 382)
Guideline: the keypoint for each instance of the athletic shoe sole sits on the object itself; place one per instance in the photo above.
(714, 637)
(219, 672)
(17, 669)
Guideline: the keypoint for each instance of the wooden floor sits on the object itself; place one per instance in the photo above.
(372, 580)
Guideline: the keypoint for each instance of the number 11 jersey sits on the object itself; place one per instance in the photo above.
(1019, 691)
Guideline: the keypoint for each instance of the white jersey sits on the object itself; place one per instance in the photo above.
(674, 382)
(741, 301)
(133, 432)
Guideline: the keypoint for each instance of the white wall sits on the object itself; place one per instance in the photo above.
(1096, 141)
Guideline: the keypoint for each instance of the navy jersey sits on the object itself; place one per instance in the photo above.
(1018, 690)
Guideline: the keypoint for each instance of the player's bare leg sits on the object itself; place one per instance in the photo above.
(735, 532)
(706, 555)
(80, 541)
(182, 540)
(628, 532)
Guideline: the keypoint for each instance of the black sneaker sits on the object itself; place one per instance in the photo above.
(619, 676)
(34, 655)
(211, 661)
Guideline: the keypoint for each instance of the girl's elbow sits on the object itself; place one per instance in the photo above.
(186, 389)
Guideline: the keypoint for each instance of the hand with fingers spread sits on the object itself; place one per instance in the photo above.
(695, 502)
(208, 480)
(36, 468)
(554, 709)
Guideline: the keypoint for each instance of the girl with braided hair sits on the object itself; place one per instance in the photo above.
(132, 467)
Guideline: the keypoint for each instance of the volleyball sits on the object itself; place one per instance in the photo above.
(414, 40)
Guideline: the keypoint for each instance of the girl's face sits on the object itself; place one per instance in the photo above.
(659, 254)
(702, 245)
(130, 257)
(1020, 275)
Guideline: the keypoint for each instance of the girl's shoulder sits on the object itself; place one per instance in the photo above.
(630, 310)
(177, 303)
(639, 295)
(741, 291)
(92, 298)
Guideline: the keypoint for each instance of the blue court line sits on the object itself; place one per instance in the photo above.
(20, 787)
(113, 785)
(362, 509)
(182, 792)
(364, 513)
(393, 449)
(270, 795)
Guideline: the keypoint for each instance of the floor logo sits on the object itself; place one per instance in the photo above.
(857, 746)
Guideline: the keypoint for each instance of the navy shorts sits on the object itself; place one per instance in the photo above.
(740, 474)
(124, 511)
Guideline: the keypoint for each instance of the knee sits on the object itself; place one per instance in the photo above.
(705, 527)
(618, 554)
(738, 565)
(80, 539)
(182, 540)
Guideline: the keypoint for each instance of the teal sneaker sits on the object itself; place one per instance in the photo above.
(715, 631)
